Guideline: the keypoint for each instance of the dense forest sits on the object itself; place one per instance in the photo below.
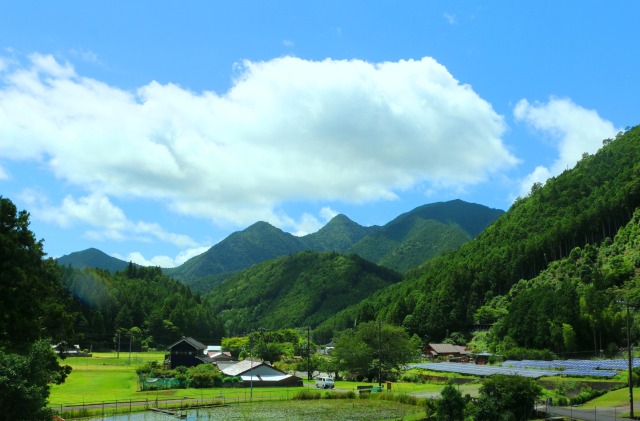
(401, 244)
(141, 305)
(576, 212)
(293, 291)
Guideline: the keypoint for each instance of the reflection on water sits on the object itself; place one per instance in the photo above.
(191, 415)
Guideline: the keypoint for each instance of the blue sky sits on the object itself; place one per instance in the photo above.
(153, 129)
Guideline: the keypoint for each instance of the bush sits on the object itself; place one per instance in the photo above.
(306, 395)
(585, 395)
(529, 354)
(333, 395)
(204, 375)
(411, 378)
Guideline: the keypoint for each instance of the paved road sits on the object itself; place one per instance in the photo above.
(596, 414)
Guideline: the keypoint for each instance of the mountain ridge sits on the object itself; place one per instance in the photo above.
(402, 244)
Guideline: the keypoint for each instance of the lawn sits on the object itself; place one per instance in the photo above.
(106, 378)
(615, 398)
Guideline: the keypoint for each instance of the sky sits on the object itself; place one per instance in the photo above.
(152, 130)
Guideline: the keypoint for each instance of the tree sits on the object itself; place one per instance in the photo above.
(35, 312)
(450, 406)
(374, 346)
(507, 397)
(34, 303)
(235, 345)
(25, 379)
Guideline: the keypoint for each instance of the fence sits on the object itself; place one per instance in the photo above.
(114, 407)
(577, 413)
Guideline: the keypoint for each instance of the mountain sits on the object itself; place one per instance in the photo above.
(340, 234)
(259, 242)
(425, 232)
(93, 258)
(303, 289)
(402, 244)
(580, 208)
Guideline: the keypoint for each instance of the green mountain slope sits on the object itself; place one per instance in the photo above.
(425, 232)
(573, 305)
(299, 290)
(402, 244)
(260, 242)
(339, 235)
(93, 258)
(581, 206)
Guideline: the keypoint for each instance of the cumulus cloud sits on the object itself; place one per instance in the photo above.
(4, 174)
(574, 130)
(162, 261)
(106, 221)
(287, 129)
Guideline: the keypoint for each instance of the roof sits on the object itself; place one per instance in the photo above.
(445, 348)
(214, 348)
(276, 378)
(204, 358)
(245, 366)
(190, 341)
(222, 365)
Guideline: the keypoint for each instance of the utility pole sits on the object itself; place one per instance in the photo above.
(626, 303)
(309, 377)
(118, 344)
(130, 342)
(251, 370)
(379, 355)
(630, 366)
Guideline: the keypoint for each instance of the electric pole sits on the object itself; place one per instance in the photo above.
(309, 376)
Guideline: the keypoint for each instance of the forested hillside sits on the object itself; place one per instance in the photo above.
(401, 244)
(293, 291)
(576, 304)
(140, 302)
(582, 206)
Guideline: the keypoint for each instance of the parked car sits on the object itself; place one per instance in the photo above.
(324, 382)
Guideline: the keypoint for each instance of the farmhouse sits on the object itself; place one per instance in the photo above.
(447, 351)
(259, 373)
(186, 352)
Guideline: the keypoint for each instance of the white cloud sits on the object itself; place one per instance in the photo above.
(138, 258)
(185, 255)
(328, 214)
(4, 174)
(162, 261)
(106, 221)
(573, 130)
(450, 18)
(288, 129)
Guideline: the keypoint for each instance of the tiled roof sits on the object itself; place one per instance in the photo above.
(241, 367)
(197, 345)
(445, 348)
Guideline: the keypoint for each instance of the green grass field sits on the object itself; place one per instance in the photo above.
(106, 378)
(103, 377)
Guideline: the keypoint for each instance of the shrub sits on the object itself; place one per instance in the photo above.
(306, 395)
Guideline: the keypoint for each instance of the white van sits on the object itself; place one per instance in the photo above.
(324, 382)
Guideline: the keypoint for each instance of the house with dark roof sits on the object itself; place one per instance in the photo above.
(186, 352)
(259, 373)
